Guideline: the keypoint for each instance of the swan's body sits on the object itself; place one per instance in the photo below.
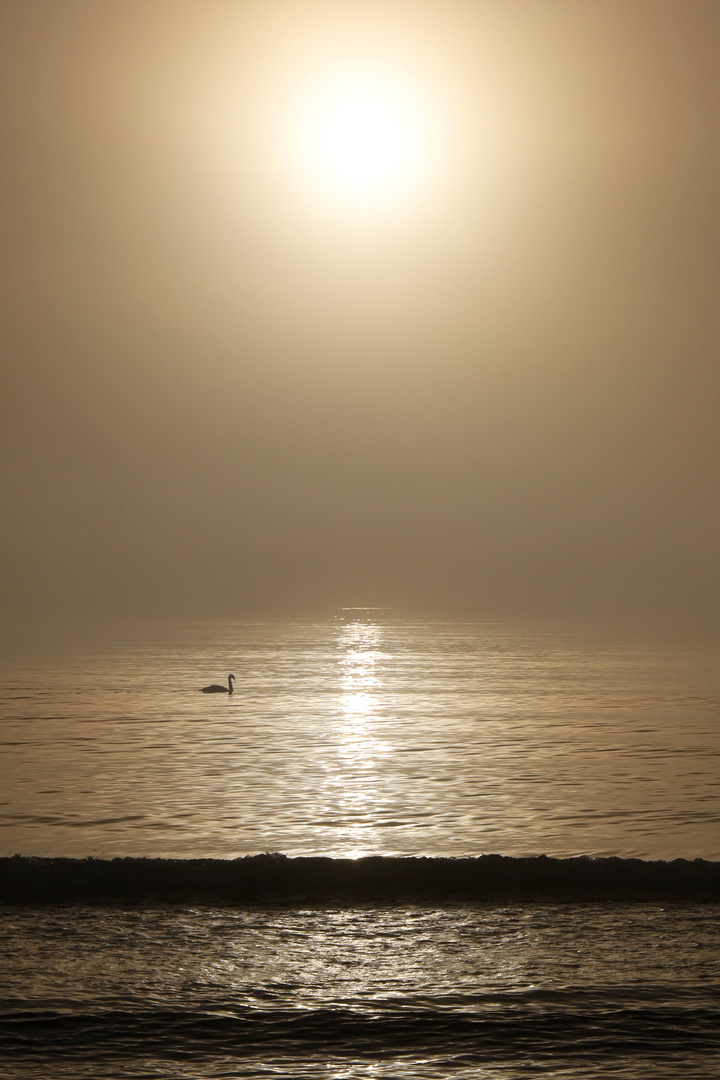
(216, 689)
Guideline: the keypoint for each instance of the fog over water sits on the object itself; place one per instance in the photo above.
(221, 396)
(401, 305)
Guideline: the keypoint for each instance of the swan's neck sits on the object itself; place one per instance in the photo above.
(230, 684)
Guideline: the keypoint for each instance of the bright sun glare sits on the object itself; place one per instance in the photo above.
(363, 137)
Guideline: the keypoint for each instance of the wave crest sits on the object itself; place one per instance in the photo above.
(274, 878)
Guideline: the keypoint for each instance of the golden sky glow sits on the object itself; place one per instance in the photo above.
(309, 304)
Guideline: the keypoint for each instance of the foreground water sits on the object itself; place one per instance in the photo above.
(359, 736)
(506, 992)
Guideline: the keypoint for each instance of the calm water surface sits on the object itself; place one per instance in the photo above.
(347, 737)
(364, 736)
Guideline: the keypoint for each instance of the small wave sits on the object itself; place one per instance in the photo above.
(274, 878)
(180, 1032)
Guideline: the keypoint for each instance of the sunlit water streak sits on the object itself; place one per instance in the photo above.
(358, 736)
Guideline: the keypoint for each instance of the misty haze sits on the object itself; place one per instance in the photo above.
(227, 394)
(359, 589)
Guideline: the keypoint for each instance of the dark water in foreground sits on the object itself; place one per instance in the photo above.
(561, 990)
(361, 737)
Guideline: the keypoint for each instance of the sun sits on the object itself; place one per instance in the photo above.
(363, 136)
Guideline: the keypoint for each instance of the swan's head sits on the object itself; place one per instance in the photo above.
(232, 677)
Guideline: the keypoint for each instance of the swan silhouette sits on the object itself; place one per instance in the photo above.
(215, 689)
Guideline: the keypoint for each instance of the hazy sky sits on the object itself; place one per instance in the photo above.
(225, 392)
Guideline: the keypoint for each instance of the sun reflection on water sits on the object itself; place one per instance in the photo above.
(359, 748)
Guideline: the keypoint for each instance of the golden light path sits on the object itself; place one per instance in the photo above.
(363, 135)
(360, 751)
